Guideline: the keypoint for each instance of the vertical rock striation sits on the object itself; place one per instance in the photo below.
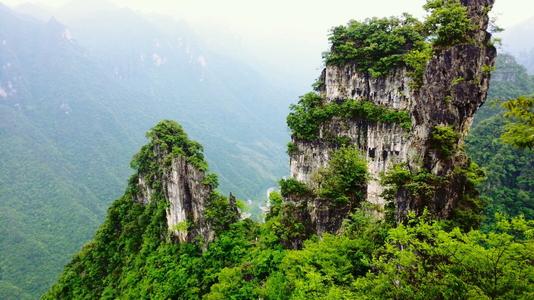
(454, 86)
(171, 170)
(188, 198)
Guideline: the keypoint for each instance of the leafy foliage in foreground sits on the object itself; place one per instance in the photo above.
(421, 260)
(368, 260)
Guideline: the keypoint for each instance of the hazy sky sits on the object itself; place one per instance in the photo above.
(288, 34)
(293, 12)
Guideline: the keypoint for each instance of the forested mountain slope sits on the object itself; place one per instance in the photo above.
(509, 184)
(219, 100)
(173, 236)
(63, 148)
(517, 41)
(72, 116)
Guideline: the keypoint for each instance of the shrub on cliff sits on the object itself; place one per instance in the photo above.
(307, 116)
(344, 180)
(375, 45)
(448, 23)
(443, 139)
(378, 45)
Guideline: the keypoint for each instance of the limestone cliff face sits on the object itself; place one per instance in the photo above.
(187, 198)
(171, 176)
(455, 85)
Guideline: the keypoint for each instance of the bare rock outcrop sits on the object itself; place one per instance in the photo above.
(455, 84)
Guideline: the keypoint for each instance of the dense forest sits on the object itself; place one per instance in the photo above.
(73, 112)
(508, 187)
(369, 259)
(420, 256)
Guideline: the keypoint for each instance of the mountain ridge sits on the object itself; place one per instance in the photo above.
(322, 237)
(70, 125)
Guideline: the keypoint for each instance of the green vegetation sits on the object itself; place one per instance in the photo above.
(488, 69)
(416, 61)
(344, 180)
(306, 117)
(135, 237)
(291, 148)
(339, 186)
(367, 260)
(457, 81)
(519, 130)
(168, 137)
(423, 261)
(221, 212)
(444, 139)
(470, 210)
(292, 186)
(418, 186)
(448, 23)
(375, 46)
(211, 180)
(318, 85)
(421, 184)
(423, 189)
(509, 187)
(181, 227)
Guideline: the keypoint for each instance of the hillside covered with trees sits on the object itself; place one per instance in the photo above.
(173, 236)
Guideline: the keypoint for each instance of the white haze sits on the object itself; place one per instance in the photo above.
(283, 37)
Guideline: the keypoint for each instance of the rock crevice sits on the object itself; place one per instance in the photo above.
(454, 86)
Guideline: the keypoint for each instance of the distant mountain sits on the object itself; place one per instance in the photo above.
(214, 97)
(35, 10)
(74, 102)
(509, 186)
(63, 138)
(519, 41)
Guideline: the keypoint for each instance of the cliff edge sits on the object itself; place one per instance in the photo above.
(404, 93)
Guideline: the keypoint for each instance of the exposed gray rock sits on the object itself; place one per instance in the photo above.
(455, 85)
(187, 196)
(345, 82)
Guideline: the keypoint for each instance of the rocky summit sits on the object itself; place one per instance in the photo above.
(453, 85)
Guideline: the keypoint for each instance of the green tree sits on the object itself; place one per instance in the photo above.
(519, 130)
(423, 261)
(375, 45)
(509, 187)
(448, 23)
(345, 178)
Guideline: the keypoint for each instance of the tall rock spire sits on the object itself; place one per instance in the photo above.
(452, 85)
